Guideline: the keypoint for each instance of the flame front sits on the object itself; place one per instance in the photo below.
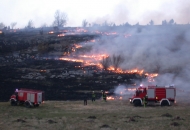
(151, 76)
(89, 60)
(95, 59)
(51, 32)
(61, 35)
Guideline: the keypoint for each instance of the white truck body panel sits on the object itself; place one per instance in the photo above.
(170, 93)
(30, 97)
(39, 98)
(151, 93)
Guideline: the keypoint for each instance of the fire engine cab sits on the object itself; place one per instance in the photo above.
(165, 96)
(27, 97)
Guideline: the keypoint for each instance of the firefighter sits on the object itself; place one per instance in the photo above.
(104, 96)
(16, 95)
(93, 96)
(145, 100)
(85, 99)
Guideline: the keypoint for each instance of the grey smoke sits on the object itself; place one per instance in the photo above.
(159, 49)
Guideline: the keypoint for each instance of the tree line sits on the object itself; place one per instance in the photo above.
(61, 18)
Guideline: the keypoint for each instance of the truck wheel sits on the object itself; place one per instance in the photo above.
(13, 103)
(27, 104)
(165, 103)
(137, 103)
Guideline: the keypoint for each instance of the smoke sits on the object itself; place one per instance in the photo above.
(115, 11)
(156, 49)
(125, 91)
(122, 90)
(119, 89)
(143, 12)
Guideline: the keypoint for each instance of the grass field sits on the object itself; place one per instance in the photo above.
(100, 115)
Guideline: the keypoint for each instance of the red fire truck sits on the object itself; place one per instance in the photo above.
(165, 96)
(27, 97)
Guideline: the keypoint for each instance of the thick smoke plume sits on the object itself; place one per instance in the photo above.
(156, 49)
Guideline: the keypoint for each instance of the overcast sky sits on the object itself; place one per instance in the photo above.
(94, 11)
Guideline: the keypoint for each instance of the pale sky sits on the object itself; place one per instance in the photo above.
(94, 11)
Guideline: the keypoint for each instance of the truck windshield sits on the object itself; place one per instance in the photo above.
(139, 91)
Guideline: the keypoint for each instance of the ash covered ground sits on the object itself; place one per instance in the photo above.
(69, 62)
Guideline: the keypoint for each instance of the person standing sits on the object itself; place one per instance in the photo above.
(145, 100)
(93, 96)
(104, 96)
(85, 99)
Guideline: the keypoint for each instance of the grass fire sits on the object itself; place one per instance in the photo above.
(112, 72)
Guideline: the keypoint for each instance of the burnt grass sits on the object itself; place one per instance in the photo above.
(55, 88)
(72, 88)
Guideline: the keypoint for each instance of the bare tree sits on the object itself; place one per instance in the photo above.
(30, 24)
(60, 19)
(84, 23)
(106, 62)
(111, 24)
(2, 25)
(171, 21)
(95, 25)
(13, 24)
(164, 22)
(105, 24)
(126, 24)
(116, 61)
(137, 24)
(151, 22)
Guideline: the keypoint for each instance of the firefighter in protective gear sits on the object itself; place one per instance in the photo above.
(93, 96)
(104, 96)
(145, 99)
(85, 99)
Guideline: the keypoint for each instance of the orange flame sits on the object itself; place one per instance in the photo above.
(119, 70)
(114, 98)
(51, 32)
(61, 35)
(77, 46)
(110, 98)
(70, 59)
(151, 76)
(81, 30)
(89, 60)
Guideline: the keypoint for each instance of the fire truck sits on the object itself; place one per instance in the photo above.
(164, 96)
(27, 97)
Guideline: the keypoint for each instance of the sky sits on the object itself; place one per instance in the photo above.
(94, 11)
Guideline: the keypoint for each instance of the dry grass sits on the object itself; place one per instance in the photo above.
(111, 115)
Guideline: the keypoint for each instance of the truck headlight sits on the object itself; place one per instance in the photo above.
(129, 100)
